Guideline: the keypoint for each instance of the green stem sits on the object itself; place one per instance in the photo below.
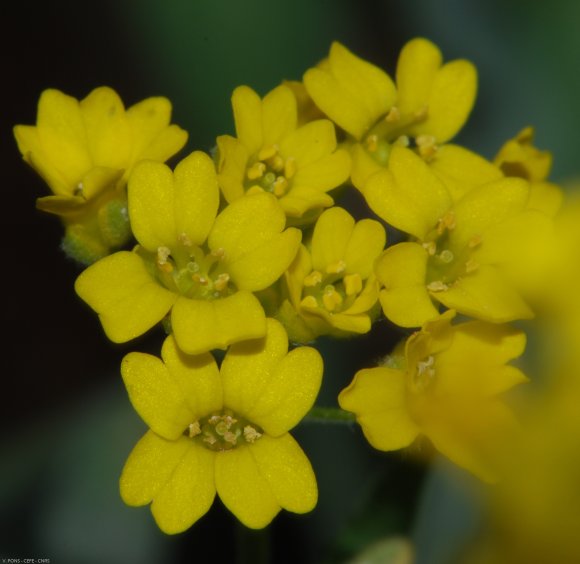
(329, 415)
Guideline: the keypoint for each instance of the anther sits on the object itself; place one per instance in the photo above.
(199, 279)
(219, 253)
(309, 302)
(280, 186)
(474, 241)
(437, 286)
(402, 141)
(426, 145)
(277, 163)
(221, 282)
(267, 152)
(79, 190)
(352, 284)
(184, 240)
(256, 171)
(430, 247)
(250, 434)
(372, 143)
(313, 279)
(193, 429)
(393, 115)
(163, 254)
(446, 222)
(471, 266)
(290, 167)
(336, 267)
(331, 298)
(421, 113)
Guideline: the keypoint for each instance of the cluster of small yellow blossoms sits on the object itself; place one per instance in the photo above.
(245, 251)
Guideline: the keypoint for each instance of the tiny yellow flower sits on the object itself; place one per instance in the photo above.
(201, 267)
(447, 388)
(221, 430)
(476, 255)
(428, 106)
(519, 157)
(85, 151)
(299, 165)
(331, 285)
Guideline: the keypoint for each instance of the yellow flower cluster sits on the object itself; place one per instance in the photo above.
(247, 250)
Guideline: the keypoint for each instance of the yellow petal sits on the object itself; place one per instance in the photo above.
(188, 493)
(155, 395)
(350, 323)
(484, 294)
(417, 66)
(328, 172)
(279, 115)
(407, 194)
(309, 143)
(196, 377)
(401, 269)
(233, 159)
(545, 197)
(363, 166)
(301, 200)
(331, 236)
(377, 396)
(65, 206)
(451, 99)
(486, 206)
(366, 243)
(247, 108)
(243, 489)
(271, 388)
(366, 299)
(121, 290)
(294, 276)
(62, 135)
(109, 138)
(261, 267)
(153, 137)
(288, 472)
(149, 466)
(200, 325)
(247, 224)
(163, 206)
(461, 170)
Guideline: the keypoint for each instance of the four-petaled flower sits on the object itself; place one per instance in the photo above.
(223, 431)
(298, 164)
(446, 387)
(201, 267)
(331, 284)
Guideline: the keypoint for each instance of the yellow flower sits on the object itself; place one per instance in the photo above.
(476, 255)
(85, 151)
(428, 106)
(519, 157)
(331, 285)
(445, 387)
(222, 430)
(299, 165)
(201, 267)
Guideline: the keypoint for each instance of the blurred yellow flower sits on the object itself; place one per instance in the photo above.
(201, 267)
(299, 165)
(85, 151)
(331, 285)
(445, 387)
(223, 431)
(428, 106)
(476, 255)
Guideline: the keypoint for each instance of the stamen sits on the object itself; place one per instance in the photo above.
(79, 190)
(437, 286)
(256, 171)
(194, 429)
(267, 152)
(199, 279)
(184, 240)
(446, 222)
(312, 279)
(336, 267)
(221, 282)
(474, 241)
(309, 302)
(471, 266)
(402, 141)
(250, 434)
(430, 247)
(393, 115)
(163, 254)
(290, 167)
(331, 298)
(426, 145)
(280, 186)
(372, 143)
(219, 253)
(277, 163)
(352, 284)
(421, 113)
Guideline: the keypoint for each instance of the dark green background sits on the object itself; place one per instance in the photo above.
(67, 426)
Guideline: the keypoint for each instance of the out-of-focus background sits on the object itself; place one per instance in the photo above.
(67, 426)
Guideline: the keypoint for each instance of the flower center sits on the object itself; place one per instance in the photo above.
(190, 270)
(270, 172)
(424, 374)
(223, 431)
(332, 291)
(395, 128)
(446, 264)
